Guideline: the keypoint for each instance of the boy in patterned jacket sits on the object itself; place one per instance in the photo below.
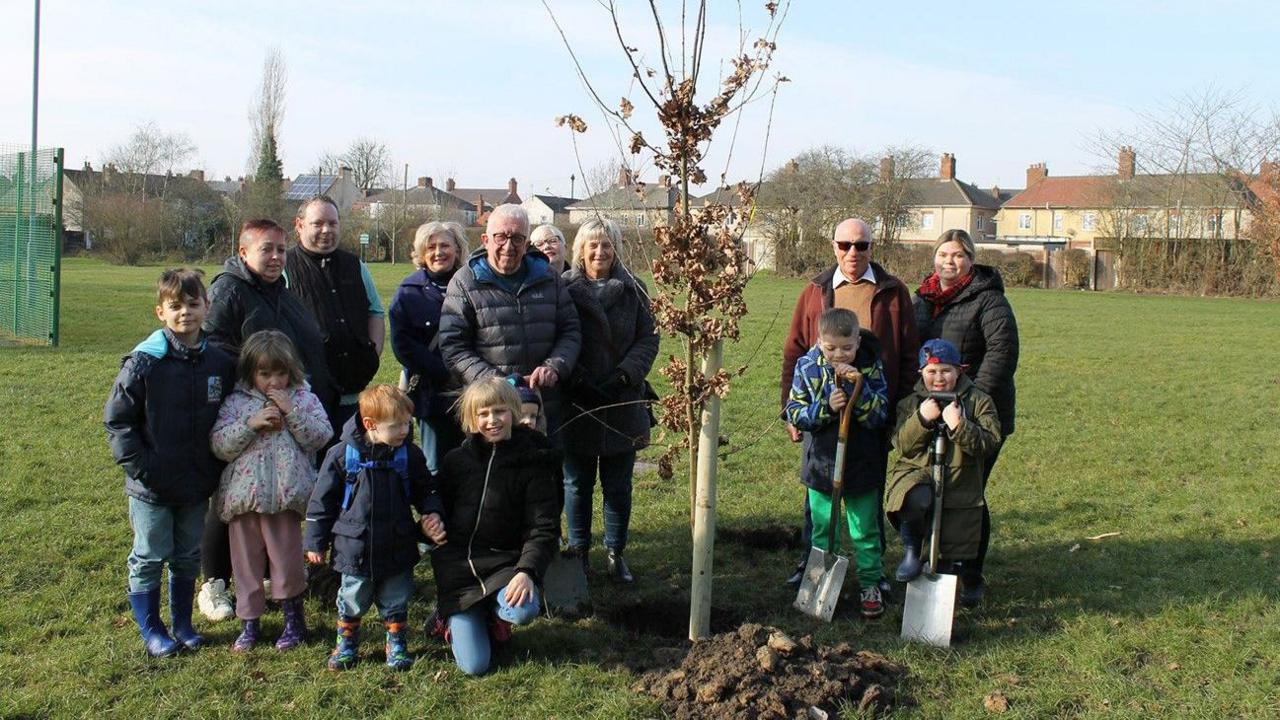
(819, 391)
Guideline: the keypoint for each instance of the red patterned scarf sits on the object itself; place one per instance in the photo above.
(931, 290)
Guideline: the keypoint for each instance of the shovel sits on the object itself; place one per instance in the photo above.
(931, 597)
(825, 570)
(564, 587)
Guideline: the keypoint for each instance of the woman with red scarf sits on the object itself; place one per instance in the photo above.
(964, 304)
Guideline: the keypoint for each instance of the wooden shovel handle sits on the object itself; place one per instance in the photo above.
(847, 412)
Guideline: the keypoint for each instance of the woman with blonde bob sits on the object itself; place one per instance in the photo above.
(606, 421)
(439, 249)
(502, 519)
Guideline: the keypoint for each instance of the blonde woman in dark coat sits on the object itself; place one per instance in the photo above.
(606, 421)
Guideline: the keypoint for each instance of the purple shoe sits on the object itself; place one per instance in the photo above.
(295, 625)
(248, 636)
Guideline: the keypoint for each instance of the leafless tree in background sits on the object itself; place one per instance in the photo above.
(267, 111)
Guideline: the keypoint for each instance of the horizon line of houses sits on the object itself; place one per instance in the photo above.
(1049, 214)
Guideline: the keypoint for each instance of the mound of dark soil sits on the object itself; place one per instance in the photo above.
(758, 672)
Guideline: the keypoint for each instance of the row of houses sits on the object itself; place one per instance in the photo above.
(1048, 215)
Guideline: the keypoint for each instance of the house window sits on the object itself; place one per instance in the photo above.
(1024, 221)
(640, 220)
(1140, 224)
(926, 221)
(1214, 224)
(981, 221)
(1057, 221)
(1175, 225)
(1090, 221)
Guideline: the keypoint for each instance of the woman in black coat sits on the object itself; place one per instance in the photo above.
(964, 304)
(606, 420)
(502, 519)
(439, 249)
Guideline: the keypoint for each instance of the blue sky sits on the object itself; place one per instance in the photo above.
(470, 89)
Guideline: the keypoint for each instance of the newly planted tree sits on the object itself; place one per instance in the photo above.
(700, 266)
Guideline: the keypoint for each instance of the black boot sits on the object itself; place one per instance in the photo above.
(909, 568)
(973, 587)
(617, 567)
(582, 554)
(797, 575)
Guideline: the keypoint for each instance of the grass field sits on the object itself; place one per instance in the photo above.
(1152, 417)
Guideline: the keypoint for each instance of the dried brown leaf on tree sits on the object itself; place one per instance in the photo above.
(626, 108)
(574, 122)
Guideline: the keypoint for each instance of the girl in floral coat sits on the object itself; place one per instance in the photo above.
(268, 430)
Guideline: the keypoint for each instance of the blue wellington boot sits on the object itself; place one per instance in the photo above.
(146, 612)
(181, 597)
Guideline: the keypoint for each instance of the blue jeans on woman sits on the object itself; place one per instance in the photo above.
(469, 629)
(615, 484)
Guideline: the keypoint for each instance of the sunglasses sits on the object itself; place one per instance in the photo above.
(860, 246)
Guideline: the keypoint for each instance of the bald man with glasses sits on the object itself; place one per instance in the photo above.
(883, 306)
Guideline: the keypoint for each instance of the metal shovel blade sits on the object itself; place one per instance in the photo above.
(564, 587)
(929, 608)
(820, 586)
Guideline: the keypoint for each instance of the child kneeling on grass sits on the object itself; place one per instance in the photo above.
(268, 430)
(499, 496)
(362, 506)
(973, 431)
(162, 406)
(819, 392)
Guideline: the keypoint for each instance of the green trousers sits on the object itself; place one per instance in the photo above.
(864, 531)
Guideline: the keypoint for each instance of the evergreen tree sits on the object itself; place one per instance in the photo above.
(266, 194)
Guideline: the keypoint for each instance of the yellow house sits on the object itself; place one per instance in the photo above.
(1086, 211)
(936, 205)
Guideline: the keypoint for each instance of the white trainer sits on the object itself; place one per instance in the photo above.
(215, 601)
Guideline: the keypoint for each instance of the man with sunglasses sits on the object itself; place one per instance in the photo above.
(506, 311)
(883, 305)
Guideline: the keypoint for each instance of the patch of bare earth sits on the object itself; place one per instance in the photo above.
(760, 673)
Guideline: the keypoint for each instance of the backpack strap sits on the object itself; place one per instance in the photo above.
(355, 463)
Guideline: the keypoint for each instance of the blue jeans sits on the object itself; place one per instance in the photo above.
(164, 533)
(469, 630)
(391, 594)
(615, 484)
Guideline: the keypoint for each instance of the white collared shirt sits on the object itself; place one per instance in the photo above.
(839, 278)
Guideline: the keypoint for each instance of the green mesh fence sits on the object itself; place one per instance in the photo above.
(30, 244)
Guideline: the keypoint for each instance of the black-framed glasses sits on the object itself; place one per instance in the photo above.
(511, 238)
(859, 245)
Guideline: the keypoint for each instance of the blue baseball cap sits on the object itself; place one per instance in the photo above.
(938, 351)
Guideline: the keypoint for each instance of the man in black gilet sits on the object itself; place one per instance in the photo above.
(338, 289)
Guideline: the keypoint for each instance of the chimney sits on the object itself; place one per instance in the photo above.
(511, 187)
(424, 182)
(197, 175)
(87, 166)
(343, 171)
(1036, 173)
(995, 192)
(624, 177)
(664, 181)
(449, 185)
(479, 204)
(1127, 161)
(948, 171)
(886, 169)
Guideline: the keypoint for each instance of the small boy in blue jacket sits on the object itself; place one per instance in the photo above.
(161, 409)
(362, 507)
(813, 406)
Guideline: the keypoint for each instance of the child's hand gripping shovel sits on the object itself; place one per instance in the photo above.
(825, 570)
(931, 597)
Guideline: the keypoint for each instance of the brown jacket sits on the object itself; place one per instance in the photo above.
(893, 322)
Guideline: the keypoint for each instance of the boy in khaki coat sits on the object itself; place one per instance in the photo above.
(973, 431)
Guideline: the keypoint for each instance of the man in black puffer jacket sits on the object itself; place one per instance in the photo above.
(507, 312)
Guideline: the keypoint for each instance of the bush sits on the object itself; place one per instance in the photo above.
(1075, 268)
